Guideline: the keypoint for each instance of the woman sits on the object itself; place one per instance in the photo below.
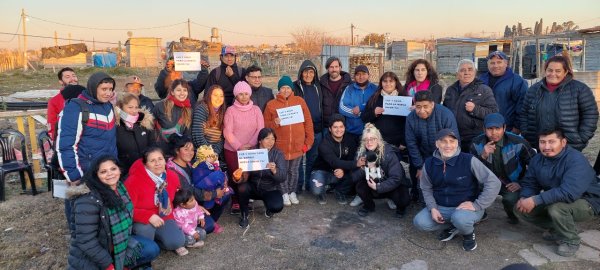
(243, 120)
(559, 101)
(422, 76)
(181, 165)
(173, 114)
(294, 139)
(470, 101)
(391, 126)
(264, 184)
(135, 131)
(207, 122)
(152, 189)
(390, 182)
(103, 223)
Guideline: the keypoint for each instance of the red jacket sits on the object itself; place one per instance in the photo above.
(141, 190)
(55, 105)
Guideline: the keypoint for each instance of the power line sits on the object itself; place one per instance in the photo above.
(15, 34)
(106, 29)
(74, 39)
(240, 33)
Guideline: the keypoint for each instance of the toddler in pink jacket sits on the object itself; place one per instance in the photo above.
(190, 218)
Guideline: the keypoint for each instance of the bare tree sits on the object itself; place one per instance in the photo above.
(373, 38)
(309, 40)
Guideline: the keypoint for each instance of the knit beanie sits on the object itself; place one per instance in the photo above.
(241, 87)
(285, 80)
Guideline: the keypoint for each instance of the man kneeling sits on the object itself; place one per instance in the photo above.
(571, 192)
(450, 182)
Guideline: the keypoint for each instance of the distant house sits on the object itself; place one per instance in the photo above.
(451, 50)
(143, 52)
(352, 56)
(407, 51)
(73, 55)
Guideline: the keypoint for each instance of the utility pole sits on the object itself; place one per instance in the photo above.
(352, 34)
(189, 29)
(93, 44)
(69, 38)
(55, 39)
(23, 17)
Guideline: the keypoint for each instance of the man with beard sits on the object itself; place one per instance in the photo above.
(333, 84)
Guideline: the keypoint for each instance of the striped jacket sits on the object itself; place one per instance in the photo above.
(516, 153)
(79, 144)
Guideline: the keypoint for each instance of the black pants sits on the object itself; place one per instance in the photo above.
(597, 164)
(400, 196)
(272, 199)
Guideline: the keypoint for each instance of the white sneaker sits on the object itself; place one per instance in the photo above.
(391, 204)
(293, 198)
(356, 202)
(286, 199)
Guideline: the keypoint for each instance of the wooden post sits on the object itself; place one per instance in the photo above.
(23, 17)
(33, 142)
(583, 56)
(521, 45)
(538, 72)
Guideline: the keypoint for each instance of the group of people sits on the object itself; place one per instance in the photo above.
(145, 176)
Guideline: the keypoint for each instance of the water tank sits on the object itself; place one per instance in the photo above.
(214, 32)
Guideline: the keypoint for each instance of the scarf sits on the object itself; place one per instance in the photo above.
(128, 118)
(175, 167)
(161, 196)
(121, 223)
(413, 88)
(243, 108)
(394, 93)
(182, 104)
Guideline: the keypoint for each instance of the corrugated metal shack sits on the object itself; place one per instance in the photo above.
(143, 52)
(451, 50)
(352, 56)
(405, 52)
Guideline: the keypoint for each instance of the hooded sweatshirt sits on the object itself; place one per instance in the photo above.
(311, 93)
(79, 144)
(227, 83)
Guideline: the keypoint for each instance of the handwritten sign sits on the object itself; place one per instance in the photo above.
(397, 105)
(290, 115)
(253, 160)
(187, 61)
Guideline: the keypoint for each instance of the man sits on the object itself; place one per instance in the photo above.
(335, 163)
(332, 85)
(307, 87)
(260, 94)
(134, 86)
(166, 76)
(227, 74)
(570, 194)
(450, 181)
(422, 125)
(506, 155)
(66, 76)
(509, 88)
(355, 98)
(470, 100)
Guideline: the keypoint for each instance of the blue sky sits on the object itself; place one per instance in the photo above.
(256, 22)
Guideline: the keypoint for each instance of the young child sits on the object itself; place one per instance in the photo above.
(190, 218)
(207, 174)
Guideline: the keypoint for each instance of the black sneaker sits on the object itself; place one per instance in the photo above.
(566, 249)
(363, 212)
(447, 234)
(268, 214)
(235, 209)
(513, 220)
(244, 221)
(341, 199)
(321, 199)
(469, 242)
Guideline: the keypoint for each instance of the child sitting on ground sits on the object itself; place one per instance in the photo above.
(207, 174)
(190, 218)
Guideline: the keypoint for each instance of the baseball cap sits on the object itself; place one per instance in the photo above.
(361, 68)
(493, 120)
(227, 50)
(445, 132)
(499, 54)
(133, 79)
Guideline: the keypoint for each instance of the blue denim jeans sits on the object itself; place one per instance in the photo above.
(149, 252)
(311, 157)
(463, 220)
(319, 180)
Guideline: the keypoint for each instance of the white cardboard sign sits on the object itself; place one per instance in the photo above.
(290, 115)
(187, 61)
(253, 160)
(397, 105)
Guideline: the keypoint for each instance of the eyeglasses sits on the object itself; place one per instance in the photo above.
(370, 140)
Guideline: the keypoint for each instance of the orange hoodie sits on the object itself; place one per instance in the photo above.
(291, 138)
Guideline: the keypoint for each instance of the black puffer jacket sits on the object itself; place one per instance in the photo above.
(89, 247)
(331, 100)
(576, 110)
(393, 174)
(470, 124)
(132, 142)
(265, 180)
